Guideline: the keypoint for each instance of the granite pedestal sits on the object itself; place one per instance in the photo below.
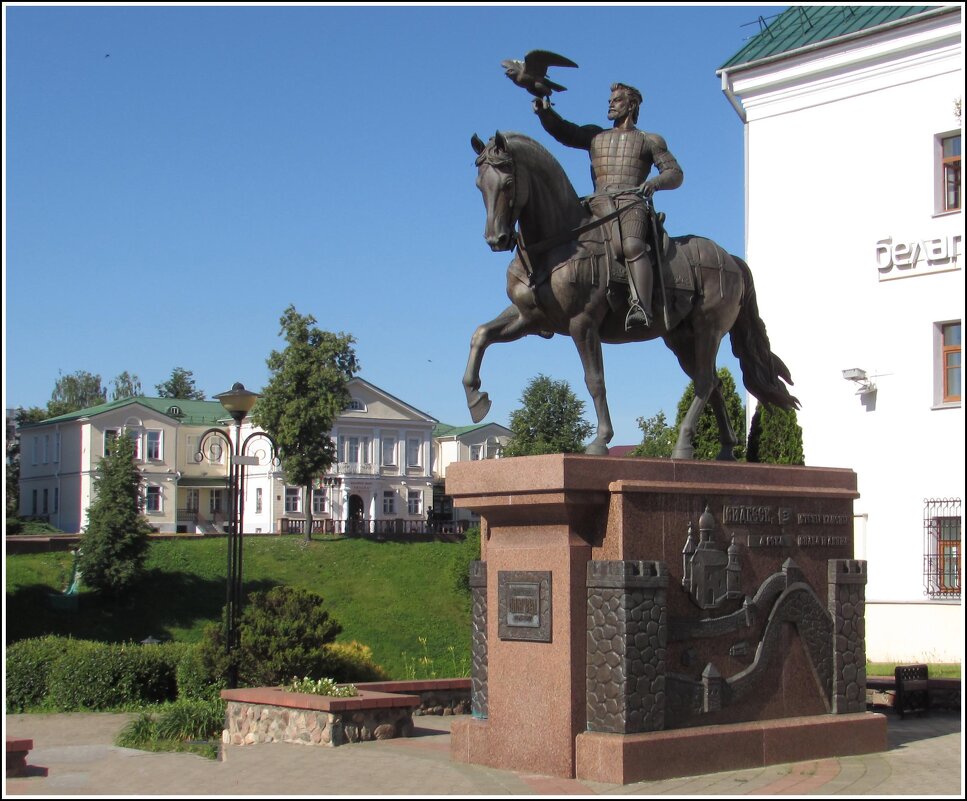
(652, 612)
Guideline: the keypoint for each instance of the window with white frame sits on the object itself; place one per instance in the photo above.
(258, 500)
(46, 448)
(318, 501)
(414, 502)
(389, 502)
(192, 500)
(56, 447)
(476, 453)
(414, 448)
(152, 498)
(154, 445)
(942, 548)
(216, 501)
(293, 500)
(36, 450)
(947, 356)
(388, 445)
(110, 434)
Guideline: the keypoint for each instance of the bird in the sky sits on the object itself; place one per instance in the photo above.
(531, 73)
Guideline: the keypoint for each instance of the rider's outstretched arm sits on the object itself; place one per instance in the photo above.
(567, 133)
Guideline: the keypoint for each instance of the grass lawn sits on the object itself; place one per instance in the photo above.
(397, 598)
(940, 670)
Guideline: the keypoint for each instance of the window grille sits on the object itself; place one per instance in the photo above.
(941, 547)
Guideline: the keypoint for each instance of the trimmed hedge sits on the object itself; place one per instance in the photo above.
(61, 674)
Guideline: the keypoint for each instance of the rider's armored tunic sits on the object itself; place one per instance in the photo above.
(621, 158)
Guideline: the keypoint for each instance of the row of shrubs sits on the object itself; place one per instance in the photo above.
(60, 674)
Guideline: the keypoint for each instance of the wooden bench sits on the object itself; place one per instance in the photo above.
(912, 689)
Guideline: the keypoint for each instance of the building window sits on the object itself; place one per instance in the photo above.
(389, 451)
(46, 447)
(56, 500)
(413, 448)
(154, 445)
(152, 499)
(44, 507)
(950, 362)
(36, 450)
(389, 502)
(258, 500)
(941, 549)
(414, 502)
(191, 500)
(216, 502)
(56, 447)
(950, 172)
(356, 406)
(318, 501)
(110, 434)
(476, 453)
(293, 500)
(33, 502)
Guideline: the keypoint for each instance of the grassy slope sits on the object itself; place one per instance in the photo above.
(387, 595)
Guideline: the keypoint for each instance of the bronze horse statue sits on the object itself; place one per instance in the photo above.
(559, 283)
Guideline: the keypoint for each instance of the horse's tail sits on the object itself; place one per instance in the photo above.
(761, 368)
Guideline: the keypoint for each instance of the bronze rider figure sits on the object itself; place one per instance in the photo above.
(621, 159)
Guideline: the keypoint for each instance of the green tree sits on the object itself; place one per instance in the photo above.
(657, 437)
(775, 436)
(75, 391)
(283, 635)
(115, 543)
(180, 385)
(126, 385)
(550, 420)
(307, 391)
(21, 416)
(707, 445)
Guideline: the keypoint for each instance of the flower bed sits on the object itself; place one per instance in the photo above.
(270, 714)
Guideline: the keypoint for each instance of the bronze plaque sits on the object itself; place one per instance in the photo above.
(524, 605)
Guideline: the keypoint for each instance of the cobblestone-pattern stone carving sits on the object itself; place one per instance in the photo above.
(627, 636)
(247, 724)
(478, 644)
(847, 605)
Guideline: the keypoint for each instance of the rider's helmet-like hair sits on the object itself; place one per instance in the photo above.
(633, 95)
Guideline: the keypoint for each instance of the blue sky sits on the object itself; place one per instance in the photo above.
(175, 176)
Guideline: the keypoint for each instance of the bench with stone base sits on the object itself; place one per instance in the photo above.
(270, 714)
(17, 751)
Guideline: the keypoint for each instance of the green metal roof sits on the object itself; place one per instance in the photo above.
(801, 26)
(443, 430)
(193, 412)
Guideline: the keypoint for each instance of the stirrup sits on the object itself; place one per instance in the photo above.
(637, 317)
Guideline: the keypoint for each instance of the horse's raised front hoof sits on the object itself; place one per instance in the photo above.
(596, 449)
(479, 407)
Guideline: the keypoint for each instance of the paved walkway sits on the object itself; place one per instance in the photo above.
(925, 758)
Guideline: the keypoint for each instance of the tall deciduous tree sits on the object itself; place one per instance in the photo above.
(707, 445)
(180, 385)
(77, 390)
(550, 420)
(126, 385)
(775, 436)
(115, 543)
(306, 392)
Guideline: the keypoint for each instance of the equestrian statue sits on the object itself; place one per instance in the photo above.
(602, 269)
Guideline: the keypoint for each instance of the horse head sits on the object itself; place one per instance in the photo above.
(504, 195)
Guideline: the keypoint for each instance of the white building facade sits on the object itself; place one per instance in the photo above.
(855, 238)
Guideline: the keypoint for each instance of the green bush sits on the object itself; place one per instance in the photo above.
(353, 661)
(28, 670)
(14, 525)
(283, 634)
(193, 680)
(98, 676)
(192, 720)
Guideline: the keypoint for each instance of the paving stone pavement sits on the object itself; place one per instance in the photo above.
(925, 758)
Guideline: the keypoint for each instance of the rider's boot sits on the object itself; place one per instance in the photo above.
(639, 315)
